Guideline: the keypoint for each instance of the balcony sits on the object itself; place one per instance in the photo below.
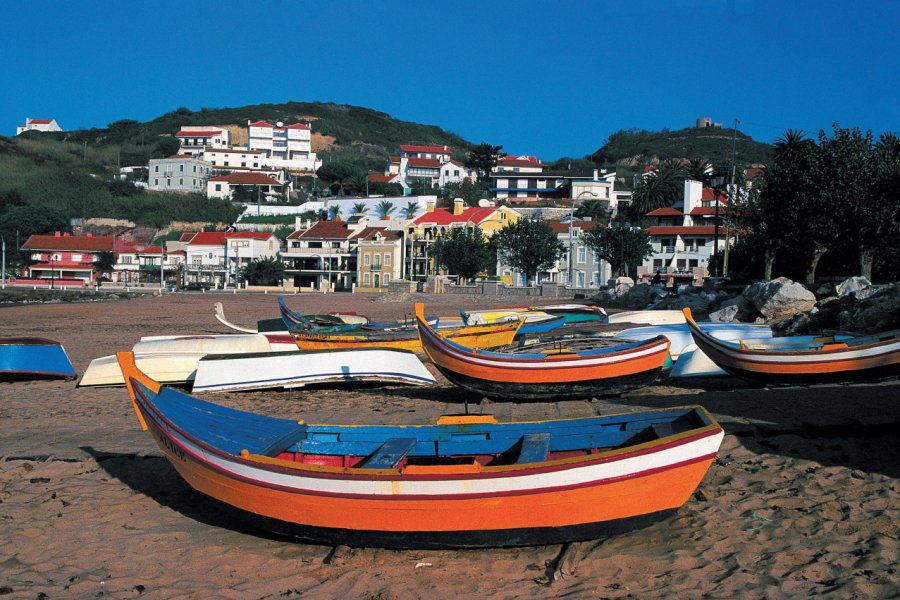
(375, 267)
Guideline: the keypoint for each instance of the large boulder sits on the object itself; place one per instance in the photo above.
(779, 298)
(852, 286)
(643, 295)
(879, 311)
(725, 315)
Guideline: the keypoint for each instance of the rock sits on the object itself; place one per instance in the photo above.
(643, 295)
(624, 281)
(725, 315)
(779, 298)
(746, 311)
(877, 312)
(851, 286)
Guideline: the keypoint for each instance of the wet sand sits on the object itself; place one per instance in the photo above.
(803, 499)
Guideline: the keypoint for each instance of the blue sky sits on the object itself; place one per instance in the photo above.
(549, 78)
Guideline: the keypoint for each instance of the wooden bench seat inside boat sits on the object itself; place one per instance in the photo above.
(535, 447)
(389, 454)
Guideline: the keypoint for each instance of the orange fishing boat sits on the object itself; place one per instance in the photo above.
(475, 336)
(866, 358)
(559, 370)
(466, 481)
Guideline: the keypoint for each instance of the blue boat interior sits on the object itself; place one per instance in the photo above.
(387, 446)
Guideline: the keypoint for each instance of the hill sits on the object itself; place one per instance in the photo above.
(340, 132)
(636, 146)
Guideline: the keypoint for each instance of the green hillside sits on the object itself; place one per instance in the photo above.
(360, 135)
(636, 146)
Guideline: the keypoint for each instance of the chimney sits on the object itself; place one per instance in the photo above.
(596, 175)
(458, 205)
(429, 206)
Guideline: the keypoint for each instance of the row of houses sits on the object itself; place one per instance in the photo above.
(366, 252)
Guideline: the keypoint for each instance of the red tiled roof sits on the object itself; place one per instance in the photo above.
(690, 230)
(437, 149)
(248, 235)
(40, 121)
(753, 172)
(208, 238)
(189, 133)
(328, 230)
(560, 227)
(379, 178)
(246, 179)
(425, 162)
(81, 243)
(369, 233)
(649, 168)
(394, 158)
(186, 236)
(151, 250)
(298, 126)
(702, 211)
(709, 193)
(443, 216)
(262, 124)
(667, 211)
(519, 161)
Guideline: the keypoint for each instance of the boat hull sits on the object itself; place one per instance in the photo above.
(298, 369)
(33, 358)
(843, 362)
(476, 336)
(505, 483)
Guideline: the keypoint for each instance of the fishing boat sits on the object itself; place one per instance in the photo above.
(23, 358)
(217, 373)
(865, 358)
(558, 371)
(174, 359)
(647, 317)
(467, 481)
(475, 336)
(680, 336)
(534, 321)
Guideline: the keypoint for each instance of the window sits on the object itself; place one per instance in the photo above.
(314, 245)
(582, 256)
(366, 276)
(701, 242)
(387, 259)
(218, 187)
(181, 181)
(367, 259)
(243, 164)
(156, 169)
(156, 182)
(195, 169)
(336, 245)
(385, 278)
(181, 168)
(125, 259)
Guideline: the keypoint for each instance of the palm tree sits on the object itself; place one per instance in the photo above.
(790, 143)
(660, 188)
(333, 211)
(410, 211)
(384, 209)
(360, 208)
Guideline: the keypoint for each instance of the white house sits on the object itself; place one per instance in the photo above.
(233, 159)
(38, 125)
(178, 173)
(217, 256)
(684, 236)
(195, 139)
(454, 171)
(260, 184)
(420, 162)
(283, 147)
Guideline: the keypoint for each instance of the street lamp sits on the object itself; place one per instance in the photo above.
(716, 182)
(51, 271)
(572, 235)
(3, 271)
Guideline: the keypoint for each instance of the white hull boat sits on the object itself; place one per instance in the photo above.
(173, 359)
(216, 373)
(648, 317)
(680, 336)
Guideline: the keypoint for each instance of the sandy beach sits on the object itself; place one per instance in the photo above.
(804, 498)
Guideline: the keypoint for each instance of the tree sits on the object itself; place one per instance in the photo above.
(620, 246)
(336, 173)
(105, 262)
(360, 208)
(268, 270)
(658, 189)
(334, 212)
(384, 209)
(357, 183)
(410, 211)
(529, 245)
(166, 146)
(464, 252)
(597, 210)
(484, 157)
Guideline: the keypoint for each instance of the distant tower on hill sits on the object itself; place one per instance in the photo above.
(703, 122)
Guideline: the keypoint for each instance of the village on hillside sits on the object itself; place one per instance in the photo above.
(373, 242)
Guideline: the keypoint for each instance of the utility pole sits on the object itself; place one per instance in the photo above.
(3, 271)
(731, 193)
